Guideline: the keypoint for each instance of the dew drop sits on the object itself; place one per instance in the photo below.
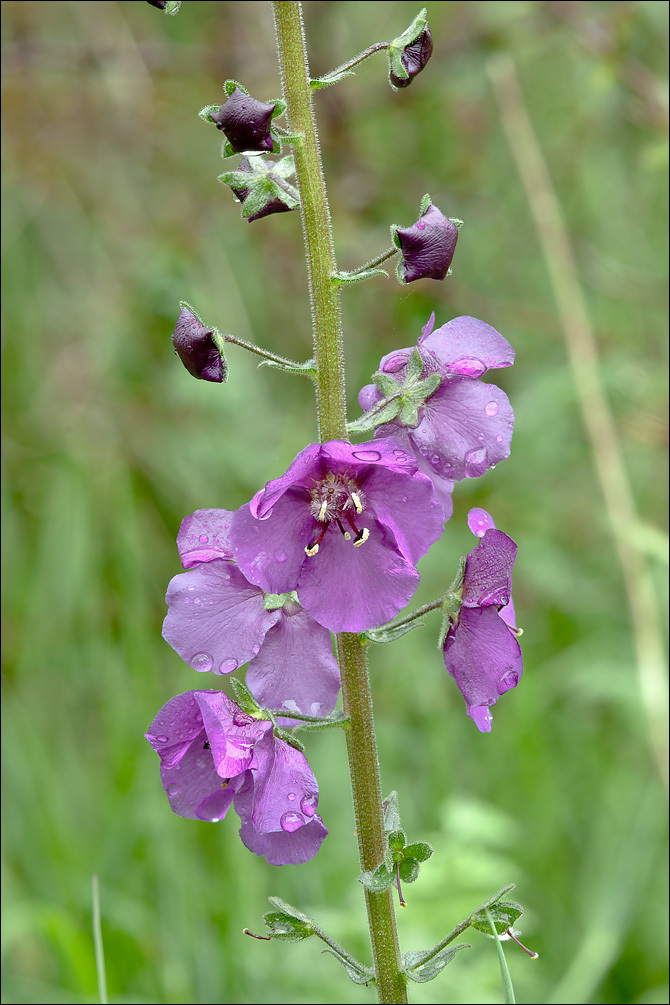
(509, 680)
(173, 790)
(264, 516)
(469, 366)
(475, 462)
(202, 662)
(291, 822)
(161, 739)
(395, 362)
(420, 225)
(491, 408)
(197, 600)
(499, 439)
(291, 796)
(186, 600)
(367, 455)
(280, 556)
(203, 539)
(191, 589)
(256, 650)
(308, 805)
(227, 666)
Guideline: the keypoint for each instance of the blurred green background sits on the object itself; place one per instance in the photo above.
(112, 213)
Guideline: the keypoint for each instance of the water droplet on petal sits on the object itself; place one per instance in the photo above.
(202, 662)
(291, 796)
(196, 600)
(203, 539)
(395, 362)
(469, 366)
(499, 439)
(291, 822)
(173, 790)
(367, 455)
(280, 556)
(264, 516)
(491, 408)
(308, 805)
(475, 462)
(160, 739)
(227, 666)
(191, 588)
(508, 680)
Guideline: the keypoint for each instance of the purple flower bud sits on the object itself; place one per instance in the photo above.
(413, 58)
(161, 4)
(427, 246)
(245, 122)
(196, 348)
(263, 187)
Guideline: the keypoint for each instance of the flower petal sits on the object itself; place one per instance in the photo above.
(296, 668)
(204, 535)
(216, 619)
(468, 347)
(396, 501)
(271, 550)
(488, 571)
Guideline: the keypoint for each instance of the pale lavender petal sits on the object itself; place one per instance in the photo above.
(271, 551)
(296, 668)
(468, 347)
(396, 502)
(216, 619)
(204, 535)
(465, 429)
(479, 521)
(278, 812)
(427, 328)
(482, 718)
(484, 658)
(488, 571)
(231, 732)
(442, 487)
(368, 396)
(353, 458)
(351, 589)
(508, 615)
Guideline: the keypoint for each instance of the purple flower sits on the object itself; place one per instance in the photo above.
(464, 427)
(427, 246)
(196, 348)
(218, 620)
(413, 58)
(246, 122)
(481, 651)
(345, 527)
(214, 754)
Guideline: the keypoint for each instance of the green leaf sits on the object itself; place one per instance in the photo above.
(391, 812)
(377, 881)
(244, 697)
(397, 840)
(359, 976)
(408, 870)
(414, 367)
(426, 202)
(504, 914)
(430, 970)
(329, 79)
(390, 634)
(285, 928)
(421, 851)
(386, 385)
(286, 908)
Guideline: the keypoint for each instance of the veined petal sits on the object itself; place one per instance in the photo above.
(204, 535)
(271, 551)
(488, 571)
(467, 346)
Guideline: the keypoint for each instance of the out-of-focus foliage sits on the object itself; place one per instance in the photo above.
(112, 213)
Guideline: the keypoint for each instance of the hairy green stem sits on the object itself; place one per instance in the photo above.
(330, 396)
(265, 353)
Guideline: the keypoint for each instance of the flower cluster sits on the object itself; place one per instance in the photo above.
(481, 650)
(462, 428)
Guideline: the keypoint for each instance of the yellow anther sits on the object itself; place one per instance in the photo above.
(362, 537)
(311, 549)
(322, 511)
(355, 498)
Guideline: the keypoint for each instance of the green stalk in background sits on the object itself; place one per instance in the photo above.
(330, 396)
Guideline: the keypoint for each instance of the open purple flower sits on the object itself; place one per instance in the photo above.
(214, 754)
(344, 527)
(465, 426)
(481, 650)
(218, 620)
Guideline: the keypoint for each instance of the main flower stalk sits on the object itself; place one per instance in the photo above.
(330, 396)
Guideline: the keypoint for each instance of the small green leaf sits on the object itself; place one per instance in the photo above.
(409, 870)
(414, 367)
(390, 634)
(377, 881)
(397, 840)
(421, 851)
(244, 697)
(359, 976)
(504, 914)
(329, 79)
(285, 928)
(289, 909)
(391, 812)
(288, 737)
(430, 970)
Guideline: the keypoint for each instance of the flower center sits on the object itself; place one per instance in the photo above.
(336, 499)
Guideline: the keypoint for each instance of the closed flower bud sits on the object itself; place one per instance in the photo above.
(263, 187)
(427, 246)
(246, 122)
(196, 348)
(413, 58)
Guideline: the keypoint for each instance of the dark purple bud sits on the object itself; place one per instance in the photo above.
(245, 122)
(196, 348)
(161, 4)
(413, 58)
(427, 246)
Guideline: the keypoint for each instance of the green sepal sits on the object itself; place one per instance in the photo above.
(426, 203)
(420, 850)
(397, 840)
(328, 79)
(364, 975)
(399, 44)
(385, 384)
(378, 880)
(408, 870)
(206, 112)
(245, 698)
(451, 603)
(285, 928)
(262, 186)
(349, 278)
(430, 970)
(287, 736)
(306, 369)
(390, 634)
(504, 914)
(414, 367)
(274, 601)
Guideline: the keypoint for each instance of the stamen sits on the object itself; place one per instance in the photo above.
(312, 549)
(358, 505)
(361, 537)
(322, 511)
